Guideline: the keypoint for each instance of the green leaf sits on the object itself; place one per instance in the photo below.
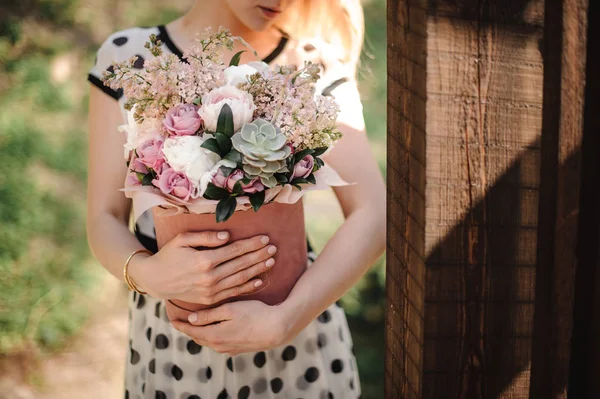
(147, 180)
(237, 188)
(300, 155)
(319, 151)
(311, 179)
(234, 156)
(257, 199)
(225, 208)
(215, 193)
(235, 60)
(281, 178)
(225, 121)
(297, 186)
(226, 170)
(319, 162)
(212, 144)
(224, 142)
(299, 180)
(197, 101)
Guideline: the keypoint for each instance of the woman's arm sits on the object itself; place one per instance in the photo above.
(108, 209)
(359, 241)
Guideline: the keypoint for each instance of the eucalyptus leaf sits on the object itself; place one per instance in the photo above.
(212, 144)
(225, 121)
(235, 60)
(257, 200)
(225, 208)
(224, 142)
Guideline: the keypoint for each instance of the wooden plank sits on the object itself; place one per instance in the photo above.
(483, 120)
(585, 348)
(564, 84)
(406, 199)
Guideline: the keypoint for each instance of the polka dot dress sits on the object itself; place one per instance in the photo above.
(164, 363)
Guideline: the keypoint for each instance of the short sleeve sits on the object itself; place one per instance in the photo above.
(337, 80)
(105, 58)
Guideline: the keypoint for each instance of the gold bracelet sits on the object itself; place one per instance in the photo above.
(128, 279)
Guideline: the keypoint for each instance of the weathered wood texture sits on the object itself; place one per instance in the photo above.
(572, 235)
(406, 204)
(497, 147)
(484, 116)
(584, 381)
(564, 87)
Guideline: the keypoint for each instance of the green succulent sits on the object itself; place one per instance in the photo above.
(264, 150)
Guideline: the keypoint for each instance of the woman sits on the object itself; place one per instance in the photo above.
(299, 348)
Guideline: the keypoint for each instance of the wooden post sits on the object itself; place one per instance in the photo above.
(484, 114)
(406, 202)
(584, 381)
(494, 234)
(564, 88)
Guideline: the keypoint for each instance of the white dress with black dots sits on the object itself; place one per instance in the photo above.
(164, 363)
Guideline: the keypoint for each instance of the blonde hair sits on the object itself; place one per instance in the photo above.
(339, 23)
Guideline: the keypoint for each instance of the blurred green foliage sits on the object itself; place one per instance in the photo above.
(42, 240)
(46, 48)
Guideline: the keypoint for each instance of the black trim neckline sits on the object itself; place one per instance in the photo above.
(166, 39)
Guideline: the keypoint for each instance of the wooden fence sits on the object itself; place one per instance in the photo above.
(494, 215)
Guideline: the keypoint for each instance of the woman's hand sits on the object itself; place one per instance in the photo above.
(207, 276)
(241, 326)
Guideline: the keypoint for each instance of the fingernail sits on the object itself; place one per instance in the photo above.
(258, 283)
(272, 249)
(270, 262)
(192, 317)
(221, 235)
(264, 239)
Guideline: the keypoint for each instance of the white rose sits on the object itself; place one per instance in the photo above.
(237, 74)
(138, 133)
(185, 154)
(241, 103)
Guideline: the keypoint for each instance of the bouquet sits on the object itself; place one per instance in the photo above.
(206, 137)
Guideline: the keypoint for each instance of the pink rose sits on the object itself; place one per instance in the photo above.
(150, 154)
(219, 179)
(132, 180)
(182, 120)
(304, 167)
(137, 165)
(254, 186)
(172, 182)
